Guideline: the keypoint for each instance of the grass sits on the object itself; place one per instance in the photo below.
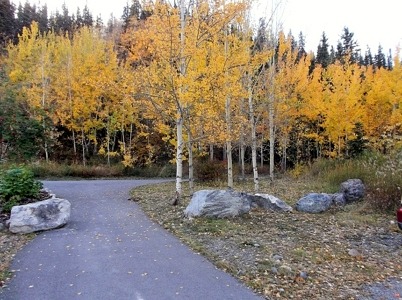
(317, 245)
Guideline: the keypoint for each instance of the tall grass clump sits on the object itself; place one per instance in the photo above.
(384, 186)
(381, 174)
(46, 170)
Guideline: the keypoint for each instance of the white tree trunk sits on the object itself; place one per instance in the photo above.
(253, 137)
(229, 144)
(179, 119)
(271, 139)
(179, 158)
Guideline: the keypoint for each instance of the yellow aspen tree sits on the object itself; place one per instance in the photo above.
(168, 49)
(30, 64)
(342, 108)
(313, 108)
(383, 118)
(291, 85)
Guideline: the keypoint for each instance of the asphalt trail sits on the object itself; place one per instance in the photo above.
(111, 250)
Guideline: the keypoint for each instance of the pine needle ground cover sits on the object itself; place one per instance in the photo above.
(288, 256)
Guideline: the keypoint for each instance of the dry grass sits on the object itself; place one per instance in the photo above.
(289, 256)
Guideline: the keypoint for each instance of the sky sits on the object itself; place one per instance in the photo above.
(372, 22)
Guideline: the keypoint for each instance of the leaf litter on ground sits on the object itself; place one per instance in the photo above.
(294, 255)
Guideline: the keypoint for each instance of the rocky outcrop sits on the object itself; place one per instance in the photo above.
(314, 203)
(38, 216)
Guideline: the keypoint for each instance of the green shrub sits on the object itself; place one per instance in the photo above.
(16, 184)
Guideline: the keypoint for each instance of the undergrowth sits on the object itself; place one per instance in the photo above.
(381, 174)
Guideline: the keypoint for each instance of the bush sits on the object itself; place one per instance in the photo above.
(382, 176)
(16, 184)
(207, 170)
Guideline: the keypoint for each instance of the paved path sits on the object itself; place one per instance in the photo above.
(111, 250)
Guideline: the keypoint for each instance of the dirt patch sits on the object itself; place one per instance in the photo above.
(334, 255)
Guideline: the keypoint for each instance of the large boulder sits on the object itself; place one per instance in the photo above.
(314, 203)
(353, 190)
(270, 202)
(38, 216)
(218, 204)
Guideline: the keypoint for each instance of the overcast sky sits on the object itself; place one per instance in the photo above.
(372, 22)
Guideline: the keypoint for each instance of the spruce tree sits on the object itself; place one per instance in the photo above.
(379, 58)
(323, 56)
(7, 21)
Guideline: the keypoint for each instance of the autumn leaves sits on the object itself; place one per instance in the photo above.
(196, 76)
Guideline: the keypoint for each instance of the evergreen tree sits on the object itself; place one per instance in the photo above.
(379, 58)
(87, 18)
(323, 56)
(25, 16)
(261, 38)
(301, 45)
(368, 57)
(43, 19)
(390, 61)
(79, 21)
(349, 46)
(332, 55)
(7, 21)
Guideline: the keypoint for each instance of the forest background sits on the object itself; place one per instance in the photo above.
(189, 84)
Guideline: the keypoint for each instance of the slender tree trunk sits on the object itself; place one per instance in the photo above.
(190, 165)
(242, 151)
(262, 153)
(271, 118)
(179, 119)
(284, 153)
(228, 121)
(44, 86)
(211, 152)
(123, 139)
(108, 144)
(179, 160)
(229, 144)
(83, 147)
(74, 144)
(253, 137)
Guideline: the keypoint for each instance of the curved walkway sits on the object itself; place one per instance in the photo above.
(111, 250)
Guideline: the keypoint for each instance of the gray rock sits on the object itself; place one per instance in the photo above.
(42, 215)
(353, 190)
(314, 203)
(338, 199)
(270, 202)
(218, 204)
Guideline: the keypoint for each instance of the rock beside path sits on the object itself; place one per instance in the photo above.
(38, 216)
(230, 204)
(314, 203)
(218, 204)
(270, 202)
